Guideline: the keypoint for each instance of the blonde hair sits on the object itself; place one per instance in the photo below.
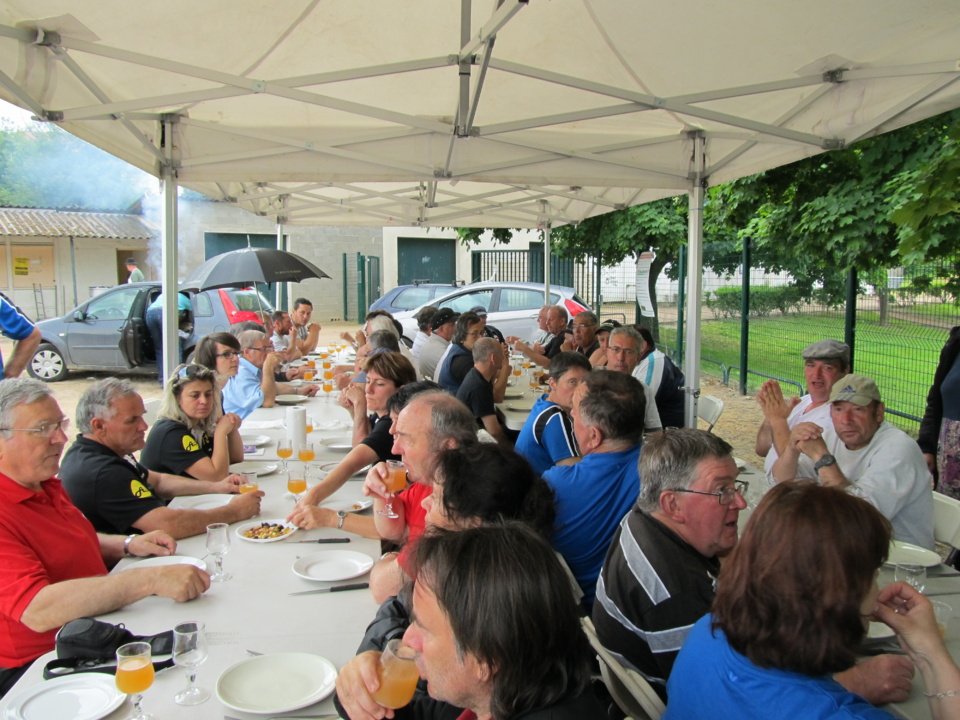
(170, 405)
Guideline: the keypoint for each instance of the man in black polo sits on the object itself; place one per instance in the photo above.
(115, 492)
(484, 386)
(557, 324)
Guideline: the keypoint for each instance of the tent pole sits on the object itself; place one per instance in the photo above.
(546, 254)
(694, 276)
(171, 326)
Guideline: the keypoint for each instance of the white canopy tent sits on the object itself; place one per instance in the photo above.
(483, 114)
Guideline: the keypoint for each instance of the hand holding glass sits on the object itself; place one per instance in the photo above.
(915, 575)
(398, 675)
(189, 652)
(218, 545)
(135, 674)
(395, 481)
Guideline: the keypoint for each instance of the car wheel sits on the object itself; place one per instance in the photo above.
(47, 364)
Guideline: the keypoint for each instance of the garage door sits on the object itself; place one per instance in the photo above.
(426, 260)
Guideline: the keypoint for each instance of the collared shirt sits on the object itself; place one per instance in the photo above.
(172, 448)
(242, 394)
(547, 436)
(44, 539)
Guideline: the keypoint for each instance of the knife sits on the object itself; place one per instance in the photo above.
(325, 540)
(334, 588)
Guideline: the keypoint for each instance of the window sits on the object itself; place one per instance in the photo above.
(412, 298)
(202, 307)
(523, 299)
(112, 305)
(462, 303)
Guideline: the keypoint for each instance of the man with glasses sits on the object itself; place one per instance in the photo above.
(660, 572)
(457, 361)
(585, 341)
(55, 564)
(254, 385)
(623, 354)
(557, 325)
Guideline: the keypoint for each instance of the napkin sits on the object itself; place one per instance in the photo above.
(254, 453)
(262, 424)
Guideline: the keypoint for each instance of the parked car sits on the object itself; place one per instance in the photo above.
(108, 331)
(512, 307)
(408, 297)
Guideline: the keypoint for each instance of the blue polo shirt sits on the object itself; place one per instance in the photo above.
(547, 436)
(13, 324)
(592, 498)
(242, 394)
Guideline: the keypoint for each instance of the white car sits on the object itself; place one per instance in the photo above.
(512, 307)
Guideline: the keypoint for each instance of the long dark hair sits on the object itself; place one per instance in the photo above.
(789, 596)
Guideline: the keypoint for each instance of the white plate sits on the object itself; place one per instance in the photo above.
(256, 440)
(520, 406)
(348, 506)
(330, 565)
(340, 443)
(278, 521)
(879, 630)
(88, 696)
(260, 468)
(203, 502)
(290, 399)
(902, 553)
(328, 468)
(740, 463)
(168, 560)
(512, 395)
(276, 683)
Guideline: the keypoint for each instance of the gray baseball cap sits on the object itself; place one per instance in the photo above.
(858, 389)
(828, 350)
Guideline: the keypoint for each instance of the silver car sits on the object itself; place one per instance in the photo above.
(512, 307)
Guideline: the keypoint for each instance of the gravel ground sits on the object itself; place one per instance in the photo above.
(737, 425)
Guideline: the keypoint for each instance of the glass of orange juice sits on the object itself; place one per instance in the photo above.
(310, 423)
(135, 674)
(308, 375)
(306, 453)
(297, 484)
(284, 451)
(311, 363)
(398, 675)
(395, 481)
(517, 370)
(250, 483)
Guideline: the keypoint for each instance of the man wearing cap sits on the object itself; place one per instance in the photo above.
(824, 363)
(423, 329)
(866, 456)
(136, 274)
(442, 325)
(488, 330)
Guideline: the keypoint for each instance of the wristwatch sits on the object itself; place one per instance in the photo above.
(342, 514)
(823, 462)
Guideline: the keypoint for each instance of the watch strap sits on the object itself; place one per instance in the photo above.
(823, 462)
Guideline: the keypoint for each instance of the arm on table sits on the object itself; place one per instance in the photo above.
(183, 522)
(170, 486)
(359, 457)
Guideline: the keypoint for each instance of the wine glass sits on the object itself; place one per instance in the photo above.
(297, 484)
(284, 451)
(396, 481)
(189, 652)
(915, 575)
(135, 674)
(218, 545)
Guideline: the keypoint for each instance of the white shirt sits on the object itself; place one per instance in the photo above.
(819, 415)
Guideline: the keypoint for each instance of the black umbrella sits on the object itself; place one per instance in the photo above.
(251, 265)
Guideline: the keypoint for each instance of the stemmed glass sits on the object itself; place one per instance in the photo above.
(189, 652)
(284, 451)
(395, 481)
(218, 545)
(135, 674)
(297, 483)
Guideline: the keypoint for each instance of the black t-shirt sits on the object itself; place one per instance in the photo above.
(113, 492)
(590, 350)
(380, 440)
(476, 393)
(460, 367)
(491, 332)
(553, 347)
(172, 449)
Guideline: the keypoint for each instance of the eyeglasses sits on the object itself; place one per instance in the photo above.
(259, 349)
(625, 351)
(189, 372)
(47, 430)
(725, 495)
(229, 355)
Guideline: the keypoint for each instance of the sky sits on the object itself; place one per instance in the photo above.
(14, 114)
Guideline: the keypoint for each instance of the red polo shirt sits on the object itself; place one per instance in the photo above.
(44, 539)
(416, 518)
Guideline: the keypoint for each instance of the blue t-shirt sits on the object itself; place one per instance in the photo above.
(183, 303)
(547, 436)
(242, 394)
(592, 498)
(13, 324)
(710, 679)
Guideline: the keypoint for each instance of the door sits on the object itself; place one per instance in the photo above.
(135, 335)
(426, 260)
(94, 340)
(517, 310)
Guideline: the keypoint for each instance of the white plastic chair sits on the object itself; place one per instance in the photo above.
(946, 524)
(153, 407)
(635, 696)
(709, 409)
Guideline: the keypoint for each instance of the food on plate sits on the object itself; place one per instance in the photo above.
(267, 531)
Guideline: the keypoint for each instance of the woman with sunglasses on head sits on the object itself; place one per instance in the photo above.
(192, 436)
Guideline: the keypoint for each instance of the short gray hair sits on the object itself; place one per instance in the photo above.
(588, 315)
(249, 338)
(628, 332)
(484, 349)
(670, 459)
(97, 401)
(615, 404)
(450, 419)
(382, 322)
(383, 339)
(16, 392)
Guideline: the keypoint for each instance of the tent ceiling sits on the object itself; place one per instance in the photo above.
(387, 113)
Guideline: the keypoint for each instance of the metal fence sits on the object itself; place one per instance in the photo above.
(361, 284)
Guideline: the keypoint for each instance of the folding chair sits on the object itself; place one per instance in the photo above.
(946, 525)
(629, 689)
(152, 408)
(709, 409)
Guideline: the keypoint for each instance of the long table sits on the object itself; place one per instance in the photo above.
(253, 611)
